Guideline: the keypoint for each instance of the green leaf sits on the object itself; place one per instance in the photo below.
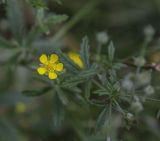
(36, 92)
(56, 19)
(101, 119)
(118, 107)
(16, 20)
(88, 73)
(84, 52)
(61, 95)
(79, 78)
(58, 112)
(71, 89)
(40, 16)
(6, 44)
(87, 89)
(101, 92)
(111, 51)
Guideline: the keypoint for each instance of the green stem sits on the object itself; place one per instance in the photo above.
(99, 48)
(109, 121)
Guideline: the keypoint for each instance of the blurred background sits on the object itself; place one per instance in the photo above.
(127, 23)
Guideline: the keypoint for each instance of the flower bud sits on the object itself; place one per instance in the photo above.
(102, 37)
(149, 32)
(139, 61)
(143, 78)
(149, 90)
(137, 106)
(127, 84)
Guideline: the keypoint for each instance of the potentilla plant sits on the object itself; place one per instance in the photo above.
(94, 82)
(97, 82)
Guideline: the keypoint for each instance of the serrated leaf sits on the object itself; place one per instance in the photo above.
(101, 119)
(84, 52)
(58, 112)
(111, 51)
(36, 92)
(16, 19)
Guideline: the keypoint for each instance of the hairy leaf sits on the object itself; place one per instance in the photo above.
(58, 112)
(16, 19)
(84, 52)
(87, 89)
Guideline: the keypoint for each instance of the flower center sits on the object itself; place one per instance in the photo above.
(50, 66)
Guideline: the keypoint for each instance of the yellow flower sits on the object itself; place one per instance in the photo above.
(75, 57)
(49, 66)
(20, 107)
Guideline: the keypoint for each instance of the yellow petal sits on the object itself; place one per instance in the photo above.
(59, 67)
(52, 75)
(76, 59)
(41, 70)
(53, 58)
(43, 59)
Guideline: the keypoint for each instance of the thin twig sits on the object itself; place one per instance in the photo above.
(108, 138)
(153, 66)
